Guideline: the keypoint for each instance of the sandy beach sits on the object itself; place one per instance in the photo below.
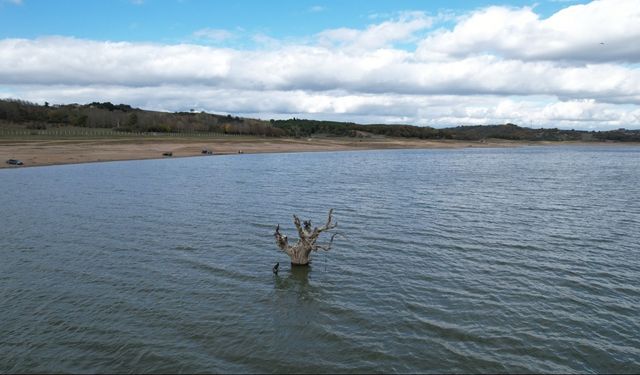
(39, 152)
(70, 151)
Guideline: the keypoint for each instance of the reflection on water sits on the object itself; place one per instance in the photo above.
(296, 279)
(481, 260)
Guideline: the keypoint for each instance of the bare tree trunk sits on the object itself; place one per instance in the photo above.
(300, 253)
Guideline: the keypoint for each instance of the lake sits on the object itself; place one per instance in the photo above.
(469, 260)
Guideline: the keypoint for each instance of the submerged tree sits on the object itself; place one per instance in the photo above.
(300, 253)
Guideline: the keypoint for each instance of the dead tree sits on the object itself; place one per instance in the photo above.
(300, 253)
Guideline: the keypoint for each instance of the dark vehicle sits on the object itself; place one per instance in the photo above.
(167, 154)
(14, 162)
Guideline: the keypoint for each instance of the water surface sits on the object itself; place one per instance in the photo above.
(473, 260)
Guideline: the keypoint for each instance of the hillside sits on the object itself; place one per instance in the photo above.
(124, 118)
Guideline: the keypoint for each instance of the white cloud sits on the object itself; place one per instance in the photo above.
(216, 35)
(573, 33)
(317, 9)
(266, 41)
(58, 60)
(378, 35)
(492, 67)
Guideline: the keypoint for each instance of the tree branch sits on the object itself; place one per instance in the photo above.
(281, 241)
(301, 231)
(326, 247)
(328, 225)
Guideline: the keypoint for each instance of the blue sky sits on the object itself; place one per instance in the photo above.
(176, 20)
(567, 64)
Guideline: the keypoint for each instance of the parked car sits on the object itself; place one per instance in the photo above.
(14, 162)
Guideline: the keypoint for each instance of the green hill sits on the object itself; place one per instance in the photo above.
(124, 118)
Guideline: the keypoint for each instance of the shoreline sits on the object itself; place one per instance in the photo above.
(47, 152)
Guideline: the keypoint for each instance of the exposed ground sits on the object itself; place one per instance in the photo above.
(36, 151)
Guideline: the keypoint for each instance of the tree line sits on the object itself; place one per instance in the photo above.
(123, 117)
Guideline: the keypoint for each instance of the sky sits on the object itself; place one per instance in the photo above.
(550, 63)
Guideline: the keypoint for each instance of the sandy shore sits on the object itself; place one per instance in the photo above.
(70, 151)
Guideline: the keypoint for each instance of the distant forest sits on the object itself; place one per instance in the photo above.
(122, 117)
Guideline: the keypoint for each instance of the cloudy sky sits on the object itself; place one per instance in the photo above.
(562, 63)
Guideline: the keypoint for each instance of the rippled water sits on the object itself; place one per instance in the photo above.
(474, 260)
